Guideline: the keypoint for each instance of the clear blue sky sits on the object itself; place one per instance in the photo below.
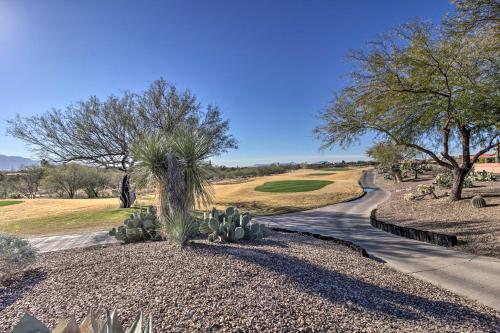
(270, 65)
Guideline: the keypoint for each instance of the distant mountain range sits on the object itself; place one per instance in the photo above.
(14, 163)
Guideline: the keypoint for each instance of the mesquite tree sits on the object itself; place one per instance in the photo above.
(102, 133)
(423, 88)
(93, 131)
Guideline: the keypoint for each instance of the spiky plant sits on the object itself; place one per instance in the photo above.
(179, 227)
(91, 324)
(193, 149)
(158, 164)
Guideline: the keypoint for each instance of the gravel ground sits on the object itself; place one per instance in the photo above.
(477, 230)
(285, 283)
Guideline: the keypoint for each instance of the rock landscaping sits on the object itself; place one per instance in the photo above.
(287, 282)
(477, 229)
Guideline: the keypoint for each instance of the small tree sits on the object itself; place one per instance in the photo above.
(66, 179)
(95, 180)
(389, 157)
(419, 87)
(31, 177)
(414, 166)
(102, 133)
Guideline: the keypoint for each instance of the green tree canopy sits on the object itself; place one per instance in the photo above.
(424, 88)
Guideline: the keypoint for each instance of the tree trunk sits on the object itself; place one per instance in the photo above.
(125, 196)
(163, 205)
(459, 175)
(397, 177)
(176, 184)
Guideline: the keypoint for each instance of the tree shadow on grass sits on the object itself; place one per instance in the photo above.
(340, 288)
(14, 289)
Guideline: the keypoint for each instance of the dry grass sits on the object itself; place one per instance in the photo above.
(477, 230)
(61, 216)
(345, 186)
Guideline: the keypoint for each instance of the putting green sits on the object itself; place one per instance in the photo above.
(290, 186)
(9, 202)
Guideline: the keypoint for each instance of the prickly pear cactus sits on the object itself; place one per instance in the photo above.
(141, 225)
(231, 226)
(478, 202)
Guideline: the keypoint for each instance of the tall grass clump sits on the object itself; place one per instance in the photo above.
(179, 228)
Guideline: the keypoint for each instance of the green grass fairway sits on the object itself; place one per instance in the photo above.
(289, 186)
(321, 174)
(8, 203)
(74, 222)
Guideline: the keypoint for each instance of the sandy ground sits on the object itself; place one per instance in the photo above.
(283, 283)
(477, 230)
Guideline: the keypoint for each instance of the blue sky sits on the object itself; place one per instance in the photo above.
(271, 66)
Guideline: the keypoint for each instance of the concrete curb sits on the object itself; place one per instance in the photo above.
(412, 233)
(349, 244)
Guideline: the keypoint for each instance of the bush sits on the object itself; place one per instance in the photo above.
(444, 178)
(424, 190)
(481, 176)
(410, 196)
(179, 228)
(15, 255)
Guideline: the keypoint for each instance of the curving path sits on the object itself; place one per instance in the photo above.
(476, 277)
(473, 276)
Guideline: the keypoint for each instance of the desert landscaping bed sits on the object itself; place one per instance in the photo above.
(287, 282)
(477, 230)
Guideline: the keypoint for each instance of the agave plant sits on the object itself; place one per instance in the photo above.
(109, 324)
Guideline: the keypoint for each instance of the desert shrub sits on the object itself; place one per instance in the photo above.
(179, 228)
(444, 178)
(410, 196)
(481, 176)
(15, 255)
(140, 226)
(424, 189)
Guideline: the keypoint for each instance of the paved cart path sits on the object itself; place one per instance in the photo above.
(476, 277)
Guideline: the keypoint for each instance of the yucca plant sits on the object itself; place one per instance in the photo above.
(109, 324)
(176, 163)
(193, 151)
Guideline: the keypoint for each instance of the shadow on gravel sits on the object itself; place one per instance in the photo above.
(358, 295)
(13, 290)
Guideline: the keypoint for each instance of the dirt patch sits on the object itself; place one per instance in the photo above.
(284, 283)
(478, 230)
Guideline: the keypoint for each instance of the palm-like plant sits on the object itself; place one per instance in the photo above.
(193, 150)
(177, 165)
